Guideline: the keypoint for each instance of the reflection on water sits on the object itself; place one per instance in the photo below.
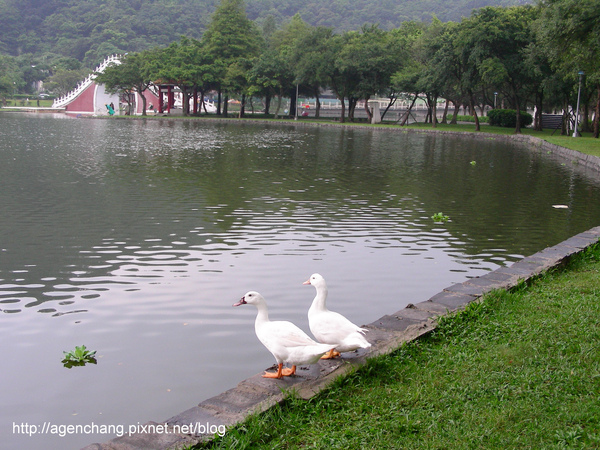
(135, 237)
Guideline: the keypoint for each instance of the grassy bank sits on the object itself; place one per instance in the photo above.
(520, 369)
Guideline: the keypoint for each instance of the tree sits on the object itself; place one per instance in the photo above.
(285, 41)
(340, 77)
(63, 81)
(230, 38)
(572, 30)
(131, 75)
(32, 71)
(270, 77)
(431, 80)
(543, 78)
(182, 64)
(405, 80)
(496, 39)
(9, 75)
(372, 56)
(445, 66)
(310, 66)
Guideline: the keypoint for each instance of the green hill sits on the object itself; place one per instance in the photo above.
(92, 29)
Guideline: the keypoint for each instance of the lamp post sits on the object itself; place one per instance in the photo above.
(495, 96)
(576, 133)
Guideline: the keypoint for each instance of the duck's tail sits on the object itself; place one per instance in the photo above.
(357, 340)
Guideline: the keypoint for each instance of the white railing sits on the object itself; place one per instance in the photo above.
(66, 99)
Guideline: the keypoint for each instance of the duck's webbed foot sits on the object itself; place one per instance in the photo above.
(287, 372)
(278, 374)
(333, 353)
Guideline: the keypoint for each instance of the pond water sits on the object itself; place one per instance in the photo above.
(134, 238)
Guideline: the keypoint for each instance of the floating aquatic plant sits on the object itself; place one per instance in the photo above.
(440, 217)
(79, 357)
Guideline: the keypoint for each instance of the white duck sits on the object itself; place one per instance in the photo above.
(330, 327)
(288, 343)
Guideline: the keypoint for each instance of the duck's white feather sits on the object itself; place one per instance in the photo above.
(330, 327)
(288, 343)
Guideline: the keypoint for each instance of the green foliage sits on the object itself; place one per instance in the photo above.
(460, 118)
(231, 42)
(508, 118)
(86, 30)
(519, 52)
(79, 357)
(568, 31)
(440, 217)
(64, 80)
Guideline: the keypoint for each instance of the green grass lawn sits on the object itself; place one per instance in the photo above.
(519, 370)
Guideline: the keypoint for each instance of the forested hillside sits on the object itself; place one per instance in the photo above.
(89, 30)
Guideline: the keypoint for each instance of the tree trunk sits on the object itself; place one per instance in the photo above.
(455, 114)
(564, 129)
(202, 103)
(195, 101)
(293, 104)
(474, 112)
(185, 102)
(445, 115)
(368, 111)
(585, 120)
(518, 124)
(219, 102)
(391, 103)
(267, 104)
(242, 107)
(407, 113)
(278, 107)
(597, 117)
(537, 120)
(225, 104)
(318, 105)
(141, 94)
(351, 107)
(343, 116)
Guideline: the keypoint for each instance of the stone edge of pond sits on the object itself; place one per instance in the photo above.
(386, 334)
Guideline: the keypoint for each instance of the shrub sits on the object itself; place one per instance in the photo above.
(508, 118)
(460, 118)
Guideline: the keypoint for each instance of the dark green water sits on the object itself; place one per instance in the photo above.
(134, 238)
